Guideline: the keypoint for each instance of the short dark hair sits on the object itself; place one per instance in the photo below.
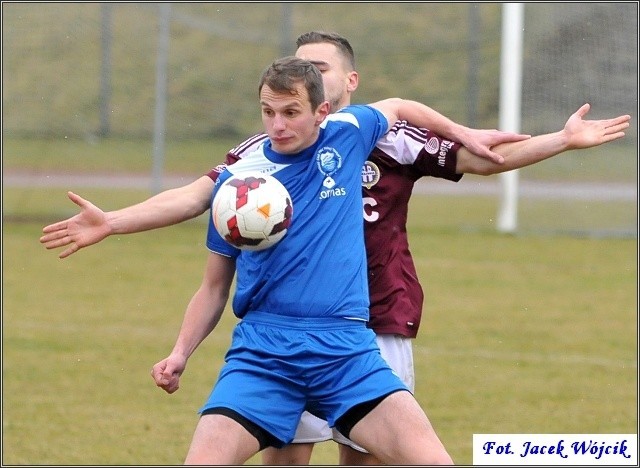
(285, 73)
(320, 37)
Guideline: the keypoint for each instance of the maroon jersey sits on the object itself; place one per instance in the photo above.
(401, 157)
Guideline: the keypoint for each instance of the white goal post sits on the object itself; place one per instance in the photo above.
(510, 106)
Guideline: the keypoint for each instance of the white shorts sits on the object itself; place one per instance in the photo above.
(398, 352)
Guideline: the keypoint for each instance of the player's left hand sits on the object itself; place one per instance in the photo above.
(480, 141)
(583, 133)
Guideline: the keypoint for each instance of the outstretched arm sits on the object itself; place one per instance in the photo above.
(92, 225)
(576, 134)
(480, 142)
(201, 317)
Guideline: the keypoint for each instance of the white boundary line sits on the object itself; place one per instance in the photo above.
(469, 185)
(526, 357)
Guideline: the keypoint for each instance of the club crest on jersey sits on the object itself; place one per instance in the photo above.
(370, 174)
(432, 145)
(329, 161)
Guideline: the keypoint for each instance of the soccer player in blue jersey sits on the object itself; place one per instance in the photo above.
(303, 341)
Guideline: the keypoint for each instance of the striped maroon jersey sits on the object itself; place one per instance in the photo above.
(401, 157)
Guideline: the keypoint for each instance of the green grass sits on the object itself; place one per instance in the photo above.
(521, 334)
(111, 155)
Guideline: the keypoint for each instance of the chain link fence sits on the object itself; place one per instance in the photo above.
(90, 70)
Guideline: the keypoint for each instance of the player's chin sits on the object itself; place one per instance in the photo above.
(285, 145)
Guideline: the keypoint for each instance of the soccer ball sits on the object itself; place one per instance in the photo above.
(252, 211)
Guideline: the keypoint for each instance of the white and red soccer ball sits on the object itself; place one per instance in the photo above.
(252, 211)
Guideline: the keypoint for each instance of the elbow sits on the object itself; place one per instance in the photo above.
(224, 298)
(194, 206)
(394, 103)
(199, 208)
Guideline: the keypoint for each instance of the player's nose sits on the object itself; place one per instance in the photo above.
(279, 122)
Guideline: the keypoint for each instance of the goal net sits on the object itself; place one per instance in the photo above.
(574, 53)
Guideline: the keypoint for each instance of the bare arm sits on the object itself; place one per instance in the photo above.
(201, 317)
(576, 134)
(92, 225)
(480, 142)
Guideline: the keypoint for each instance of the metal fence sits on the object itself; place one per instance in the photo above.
(189, 70)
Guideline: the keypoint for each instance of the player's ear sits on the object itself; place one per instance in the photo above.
(352, 81)
(322, 111)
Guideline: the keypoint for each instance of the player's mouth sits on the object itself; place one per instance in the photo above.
(282, 139)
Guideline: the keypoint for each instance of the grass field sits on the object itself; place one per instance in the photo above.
(534, 333)
(527, 334)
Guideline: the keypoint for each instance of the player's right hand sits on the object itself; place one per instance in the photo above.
(167, 372)
(86, 228)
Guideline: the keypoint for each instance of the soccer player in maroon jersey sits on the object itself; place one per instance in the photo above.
(402, 157)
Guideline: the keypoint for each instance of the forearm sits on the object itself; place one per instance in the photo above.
(165, 209)
(201, 317)
(577, 133)
(207, 304)
(516, 154)
(419, 115)
(480, 142)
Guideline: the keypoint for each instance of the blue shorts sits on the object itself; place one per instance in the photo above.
(278, 366)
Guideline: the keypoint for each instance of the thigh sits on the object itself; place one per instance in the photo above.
(292, 454)
(219, 440)
(311, 430)
(397, 431)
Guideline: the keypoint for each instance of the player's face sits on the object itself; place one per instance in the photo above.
(289, 120)
(339, 82)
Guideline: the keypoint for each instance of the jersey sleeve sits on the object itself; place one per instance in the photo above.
(426, 152)
(371, 122)
(236, 153)
(215, 242)
(214, 173)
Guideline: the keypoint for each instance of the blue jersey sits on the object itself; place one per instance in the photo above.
(319, 268)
